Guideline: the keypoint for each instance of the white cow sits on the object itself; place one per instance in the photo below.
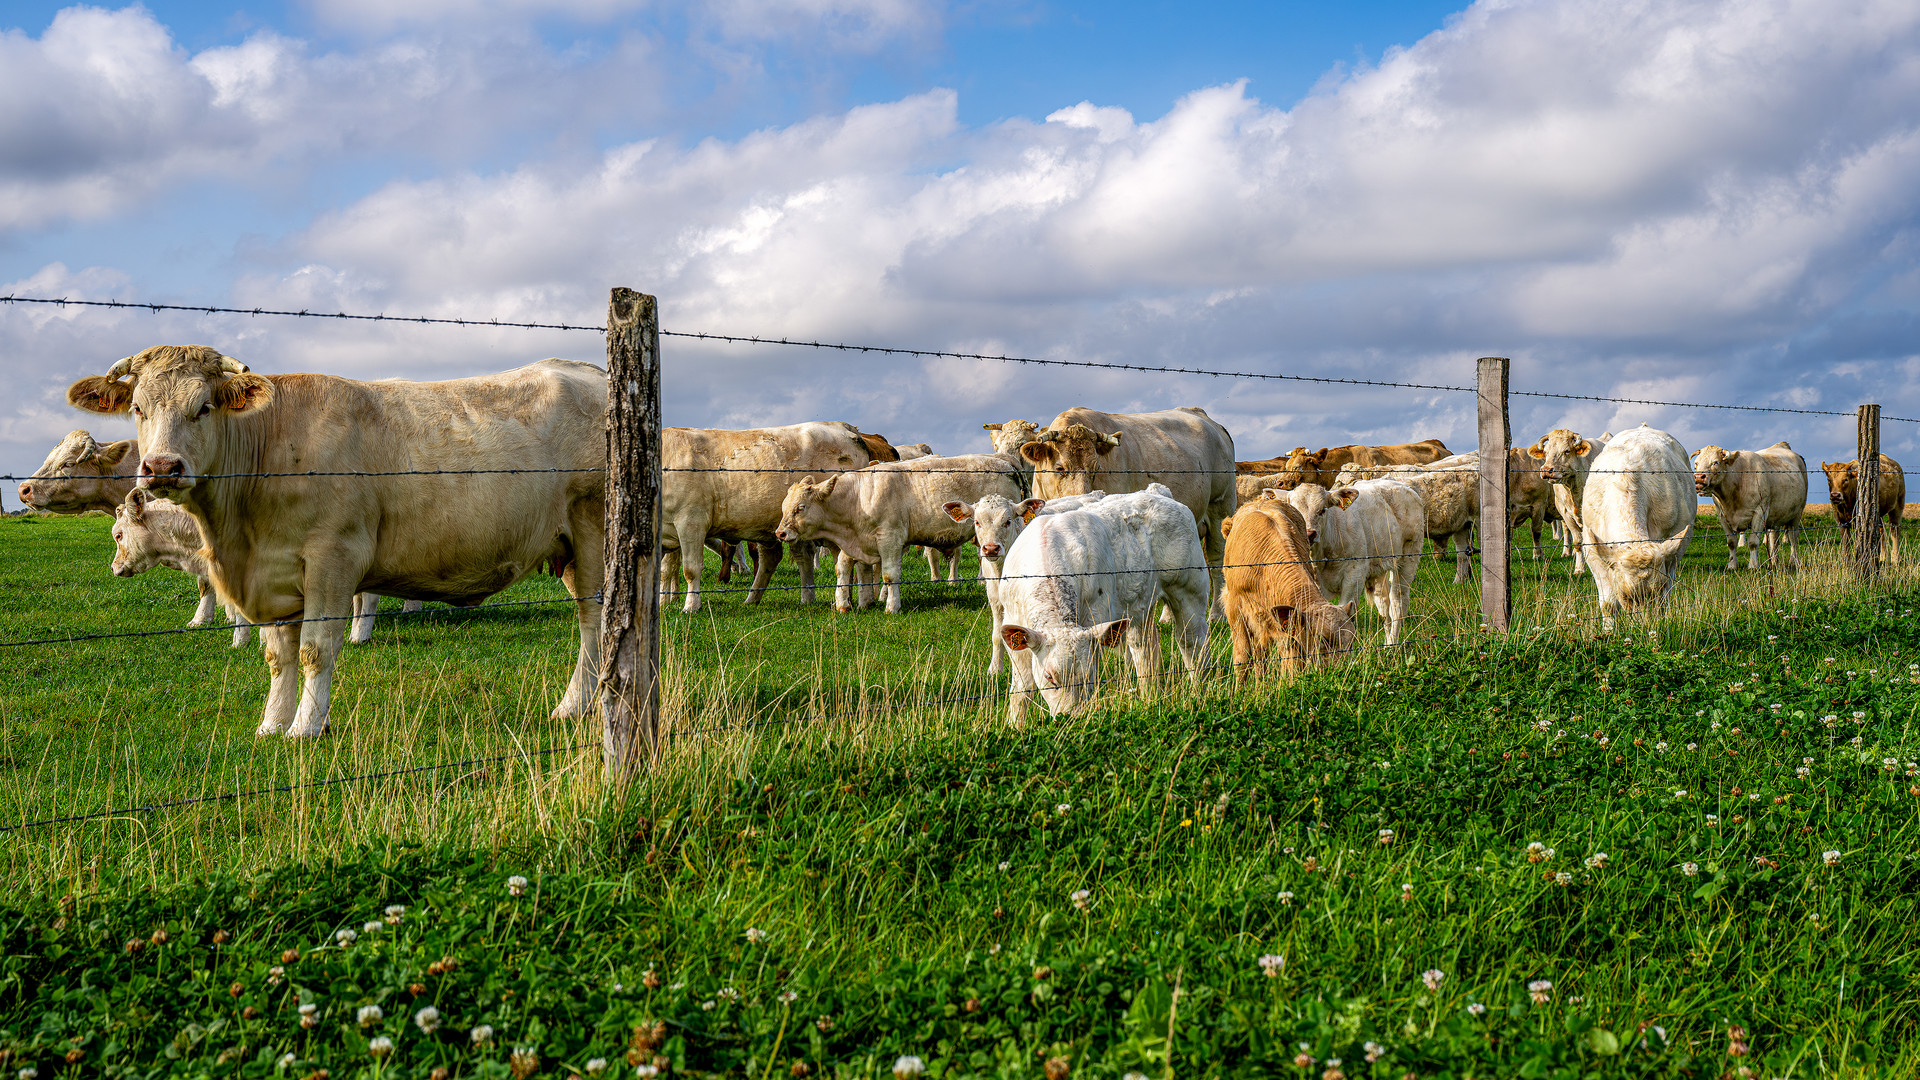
(1366, 539)
(1078, 582)
(874, 513)
(1450, 494)
(1757, 493)
(1637, 511)
(997, 523)
(1565, 457)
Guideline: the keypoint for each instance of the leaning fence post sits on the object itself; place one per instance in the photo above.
(1866, 501)
(1496, 604)
(630, 625)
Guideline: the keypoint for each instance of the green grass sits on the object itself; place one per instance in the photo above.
(869, 847)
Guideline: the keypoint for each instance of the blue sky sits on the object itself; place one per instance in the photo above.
(1708, 201)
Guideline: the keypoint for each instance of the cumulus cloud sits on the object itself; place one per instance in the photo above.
(1707, 202)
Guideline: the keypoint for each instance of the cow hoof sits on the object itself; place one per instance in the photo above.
(265, 730)
(843, 608)
(306, 733)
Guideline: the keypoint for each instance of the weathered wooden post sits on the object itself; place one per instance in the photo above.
(1496, 605)
(1866, 503)
(630, 626)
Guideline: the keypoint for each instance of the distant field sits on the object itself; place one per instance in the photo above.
(914, 870)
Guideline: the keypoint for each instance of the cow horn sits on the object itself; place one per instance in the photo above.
(1109, 440)
(1048, 435)
(231, 366)
(120, 367)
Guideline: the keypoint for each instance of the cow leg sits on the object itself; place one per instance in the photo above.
(868, 575)
(1793, 544)
(209, 603)
(1239, 625)
(1021, 690)
(933, 562)
(1463, 571)
(1190, 635)
(725, 551)
(1756, 535)
(1534, 520)
(669, 575)
(806, 558)
(282, 650)
(693, 564)
(365, 605)
(1893, 532)
(585, 577)
(1214, 543)
(891, 556)
(242, 629)
(411, 606)
(843, 582)
(997, 610)
(953, 564)
(322, 634)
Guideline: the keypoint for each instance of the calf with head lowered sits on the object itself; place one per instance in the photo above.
(1271, 599)
(250, 457)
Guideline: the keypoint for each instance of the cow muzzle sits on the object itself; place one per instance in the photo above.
(164, 472)
(26, 493)
(989, 551)
(786, 535)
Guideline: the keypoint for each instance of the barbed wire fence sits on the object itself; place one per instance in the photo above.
(632, 593)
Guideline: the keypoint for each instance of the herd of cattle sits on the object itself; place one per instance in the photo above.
(297, 500)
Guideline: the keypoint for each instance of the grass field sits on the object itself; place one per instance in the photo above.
(913, 876)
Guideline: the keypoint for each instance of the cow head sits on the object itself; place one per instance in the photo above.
(997, 521)
(1070, 457)
(1301, 467)
(1066, 659)
(802, 516)
(1562, 455)
(1841, 485)
(1710, 467)
(136, 549)
(1009, 437)
(1315, 503)
(182, 398)
(1320, 631)
(80, 474)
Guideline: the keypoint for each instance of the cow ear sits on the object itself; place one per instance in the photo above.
(1581, 450)
(136, 504)
(1272, 493)
(1030, 508)
(244, 393)
(97, 393)
(958, 511)
(1017, 637)
(1345, 496)
(114, 453)
(1283, 614)
(1113, 633)
(826, 487)
(1226, 527)
(1037, 452)
(1348, 607)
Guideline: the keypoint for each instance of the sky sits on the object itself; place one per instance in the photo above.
(1698, 202)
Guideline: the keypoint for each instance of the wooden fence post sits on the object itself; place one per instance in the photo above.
(1496, 604)
(1866, 503)
(630, 626)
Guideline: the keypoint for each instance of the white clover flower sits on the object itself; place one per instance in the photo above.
(707, 1006)
(1432, 978)
(1831, 858)
(1713, 820)
(394, 913)
(275, 974)
(788, 997)
(427, 1020)
(285, 1060)
(1477, 1009)
(1062, 809)
(1374, 1050)
(373, 927)
(1286, 898)
(28, 1073)
(1857, 741)
(1540, 990)
(1082, 899)
(380, 1046)
(345, 937)
(309, 1015)
(596, 1066)
(1596, 861)
(908, 1066)
(1386, 836)
(1690, 868)
(1661, 747)
(728, 993)
(755, 935)
(1679, 793)
(516, 885)
(1272, 964)
(370, 1015)
(1005, 866)
(1693, 746)
(646, 1070)
(1563, 878)
(482, 1034)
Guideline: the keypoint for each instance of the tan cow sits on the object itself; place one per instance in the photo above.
(873, 514)
(1564, 457)
(1269, 594)
(1009, 437)
(1756, 493)
(725, 483)
(1843, 491)
(1248, 486)
(878, 448)
(909, 451)
(81, 474)
(1084, 450)
(1323, 465)
(298, 547)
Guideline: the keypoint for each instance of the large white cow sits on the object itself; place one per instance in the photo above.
(728, 484)
(1637, 510)
(872, 514)
(1450, 495)
(1757, 494)
(1366, 540)
(299, 546)
(1565, 457)
(1184, 449)
(997, 523)
(1079, 582)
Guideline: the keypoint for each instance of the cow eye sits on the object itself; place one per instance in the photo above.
(137, 412)
(204, 410)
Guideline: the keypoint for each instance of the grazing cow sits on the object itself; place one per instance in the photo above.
(1450, 493)
(1757, 492)
(1366, 539)
(1182, 448)
(1843, 490)
(300, 546)
(1078, 582)
(1565, 457)
(1323, 465)
(1270, 597)
(81, 475)
(997, 522)
(872, 514)
(1637, 509)
(728, 484)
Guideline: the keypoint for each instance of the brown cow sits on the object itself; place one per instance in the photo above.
(1270, 596)
(878, 448)
(298, 546)
(1324, 464)
(1842, 492)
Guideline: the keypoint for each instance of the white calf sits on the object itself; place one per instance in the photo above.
(1366, 538)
